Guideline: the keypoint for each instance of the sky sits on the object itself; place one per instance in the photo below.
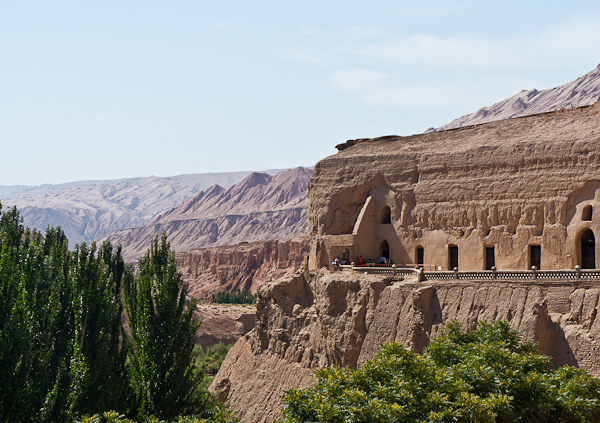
(113, 89)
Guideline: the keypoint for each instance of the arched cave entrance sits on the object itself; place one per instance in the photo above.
(384, 249)
(588, 250)
(386, 215)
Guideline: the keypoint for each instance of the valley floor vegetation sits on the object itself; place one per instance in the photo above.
(82, 333)
(235, 297)
(207, 361)
(486, 375)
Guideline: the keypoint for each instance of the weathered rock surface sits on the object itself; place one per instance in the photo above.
(583, 91)
(509, 184)
(312, 320)
(224, 323)
(261, 207)
(244, 266)
(87, 209)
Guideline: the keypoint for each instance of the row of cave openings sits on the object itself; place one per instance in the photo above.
(588, 254)
(587, 244)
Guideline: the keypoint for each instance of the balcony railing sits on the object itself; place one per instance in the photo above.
(576, 273)
(533, 274)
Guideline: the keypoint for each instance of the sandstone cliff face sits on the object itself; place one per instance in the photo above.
(509, 184)
(312, 320)
(244, 266)
(584, 91)
(261, 207)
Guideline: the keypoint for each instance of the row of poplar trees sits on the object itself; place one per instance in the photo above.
(83, 332)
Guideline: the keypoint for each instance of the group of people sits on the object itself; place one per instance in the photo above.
(338, 262)
(360, 261)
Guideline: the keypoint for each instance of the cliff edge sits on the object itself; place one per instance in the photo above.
(314, 320)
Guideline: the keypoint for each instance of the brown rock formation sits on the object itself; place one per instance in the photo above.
(508, 184)
(312, 320)
(244, 266)
(261, 207)
(224, 323)
(583, 91)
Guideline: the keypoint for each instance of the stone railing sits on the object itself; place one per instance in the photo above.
(576, 273)
(573, 274)
(377, 269)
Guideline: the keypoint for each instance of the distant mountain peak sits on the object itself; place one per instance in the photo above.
(260, 207)
(583, 91)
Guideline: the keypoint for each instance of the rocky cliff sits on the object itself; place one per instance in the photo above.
(86, 210)
(584, 91)
(244, 266)
(223, 323)
(314, 320)
(260, 207)
(508, 184)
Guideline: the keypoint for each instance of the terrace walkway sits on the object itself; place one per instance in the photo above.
(534, 274)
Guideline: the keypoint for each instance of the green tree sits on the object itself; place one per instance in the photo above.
(487, 375)
(162, 330)
(98, 378)
(35, 322)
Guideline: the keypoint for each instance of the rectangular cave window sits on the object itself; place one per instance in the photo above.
(420, 255)
(535, 256)
(490, 258)
(452, 257)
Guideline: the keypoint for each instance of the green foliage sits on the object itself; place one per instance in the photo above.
(208, 360)
(235, 297)
(162, 332)
(63, 349)
(35, 322)
(98, 378)
(219, 415)
(486, 375)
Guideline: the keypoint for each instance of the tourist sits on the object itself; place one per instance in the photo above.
(360, 261)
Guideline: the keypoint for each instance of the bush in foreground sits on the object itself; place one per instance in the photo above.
(487, 375)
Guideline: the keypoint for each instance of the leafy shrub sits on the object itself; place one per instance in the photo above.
(219, 415)
(486, 375)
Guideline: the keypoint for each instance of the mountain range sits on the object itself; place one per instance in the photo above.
(583, 91)
(88, 209)
(259, 208)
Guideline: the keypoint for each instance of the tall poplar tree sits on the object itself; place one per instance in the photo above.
(162, 330)
(99, 381)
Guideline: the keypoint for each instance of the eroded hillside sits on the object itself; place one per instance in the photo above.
(260, 207)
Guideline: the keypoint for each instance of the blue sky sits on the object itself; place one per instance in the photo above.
(113, 89)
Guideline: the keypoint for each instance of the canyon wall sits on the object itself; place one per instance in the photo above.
(244, 266)
(314, 320)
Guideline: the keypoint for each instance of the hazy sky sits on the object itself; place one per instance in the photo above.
(112, 89)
